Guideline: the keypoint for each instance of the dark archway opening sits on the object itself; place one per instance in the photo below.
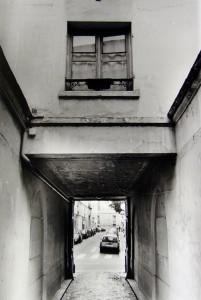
(100, 235)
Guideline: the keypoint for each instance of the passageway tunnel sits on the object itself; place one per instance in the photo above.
(107, 162)
(91, 161)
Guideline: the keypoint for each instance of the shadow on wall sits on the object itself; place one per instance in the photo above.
(150, 233)
(48, 239)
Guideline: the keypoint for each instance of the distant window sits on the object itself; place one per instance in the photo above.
(99, 56)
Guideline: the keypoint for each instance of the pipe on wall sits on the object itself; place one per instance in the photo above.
(40, 175)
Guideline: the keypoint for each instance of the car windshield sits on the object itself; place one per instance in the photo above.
(109, 239)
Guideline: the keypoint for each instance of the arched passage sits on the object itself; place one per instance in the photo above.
(88, 162)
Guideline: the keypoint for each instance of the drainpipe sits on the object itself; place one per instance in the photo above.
(39, 174)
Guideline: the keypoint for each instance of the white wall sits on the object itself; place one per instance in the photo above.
(166, 40)
(32, 224)
(184, 209)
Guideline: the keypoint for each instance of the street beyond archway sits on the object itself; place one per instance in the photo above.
(87, 256)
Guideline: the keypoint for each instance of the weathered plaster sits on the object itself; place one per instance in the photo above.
(32, 224)
(100, 140)
(184, 208)
(33, 37)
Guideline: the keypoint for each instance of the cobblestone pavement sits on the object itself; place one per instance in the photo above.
(99, 286)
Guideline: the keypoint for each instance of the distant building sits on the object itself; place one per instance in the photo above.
(82, 215)
(107, 217)
(91, 214)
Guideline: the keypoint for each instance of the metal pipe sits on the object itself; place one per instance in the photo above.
(40, 175)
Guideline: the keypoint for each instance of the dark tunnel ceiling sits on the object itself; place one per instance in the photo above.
(93, 176)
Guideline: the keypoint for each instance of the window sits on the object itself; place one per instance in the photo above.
(99, 56)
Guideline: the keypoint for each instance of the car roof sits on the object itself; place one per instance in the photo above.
(110, 234)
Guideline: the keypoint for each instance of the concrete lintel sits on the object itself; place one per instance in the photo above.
(101, 198)
(148, 141)
(99, 95)
(102, 121)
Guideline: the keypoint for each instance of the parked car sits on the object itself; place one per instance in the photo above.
(110, 241)
(98, 229)
(77, 237)
(102, 229)
(93, 231)
(89, 232)
(84, 234)
(80, 236)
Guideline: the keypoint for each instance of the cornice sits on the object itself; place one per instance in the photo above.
(187, 91)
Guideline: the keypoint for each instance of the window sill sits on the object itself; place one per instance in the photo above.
(132, 95)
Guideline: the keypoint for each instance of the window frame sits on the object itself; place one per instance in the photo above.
(99, 30)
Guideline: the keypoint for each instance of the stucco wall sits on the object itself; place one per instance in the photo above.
(151, 244)
(177, 187)
(166, 39)
(15, 213)
(32, 227)
(184, 210)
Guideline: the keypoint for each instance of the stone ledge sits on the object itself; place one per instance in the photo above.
(132, 95)
(102, 121)
(60, 293)
(134, 286)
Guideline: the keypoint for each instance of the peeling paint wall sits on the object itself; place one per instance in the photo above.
(166, 39)
(32, 225)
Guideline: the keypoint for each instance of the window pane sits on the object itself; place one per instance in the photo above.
(113, 44)
(83, 43)
(114, 69)
(114, 57)
(84, 57)
(83, 70)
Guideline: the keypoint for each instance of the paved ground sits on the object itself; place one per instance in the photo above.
(99, 286)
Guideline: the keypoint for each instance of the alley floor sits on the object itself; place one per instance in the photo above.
(99, 286)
